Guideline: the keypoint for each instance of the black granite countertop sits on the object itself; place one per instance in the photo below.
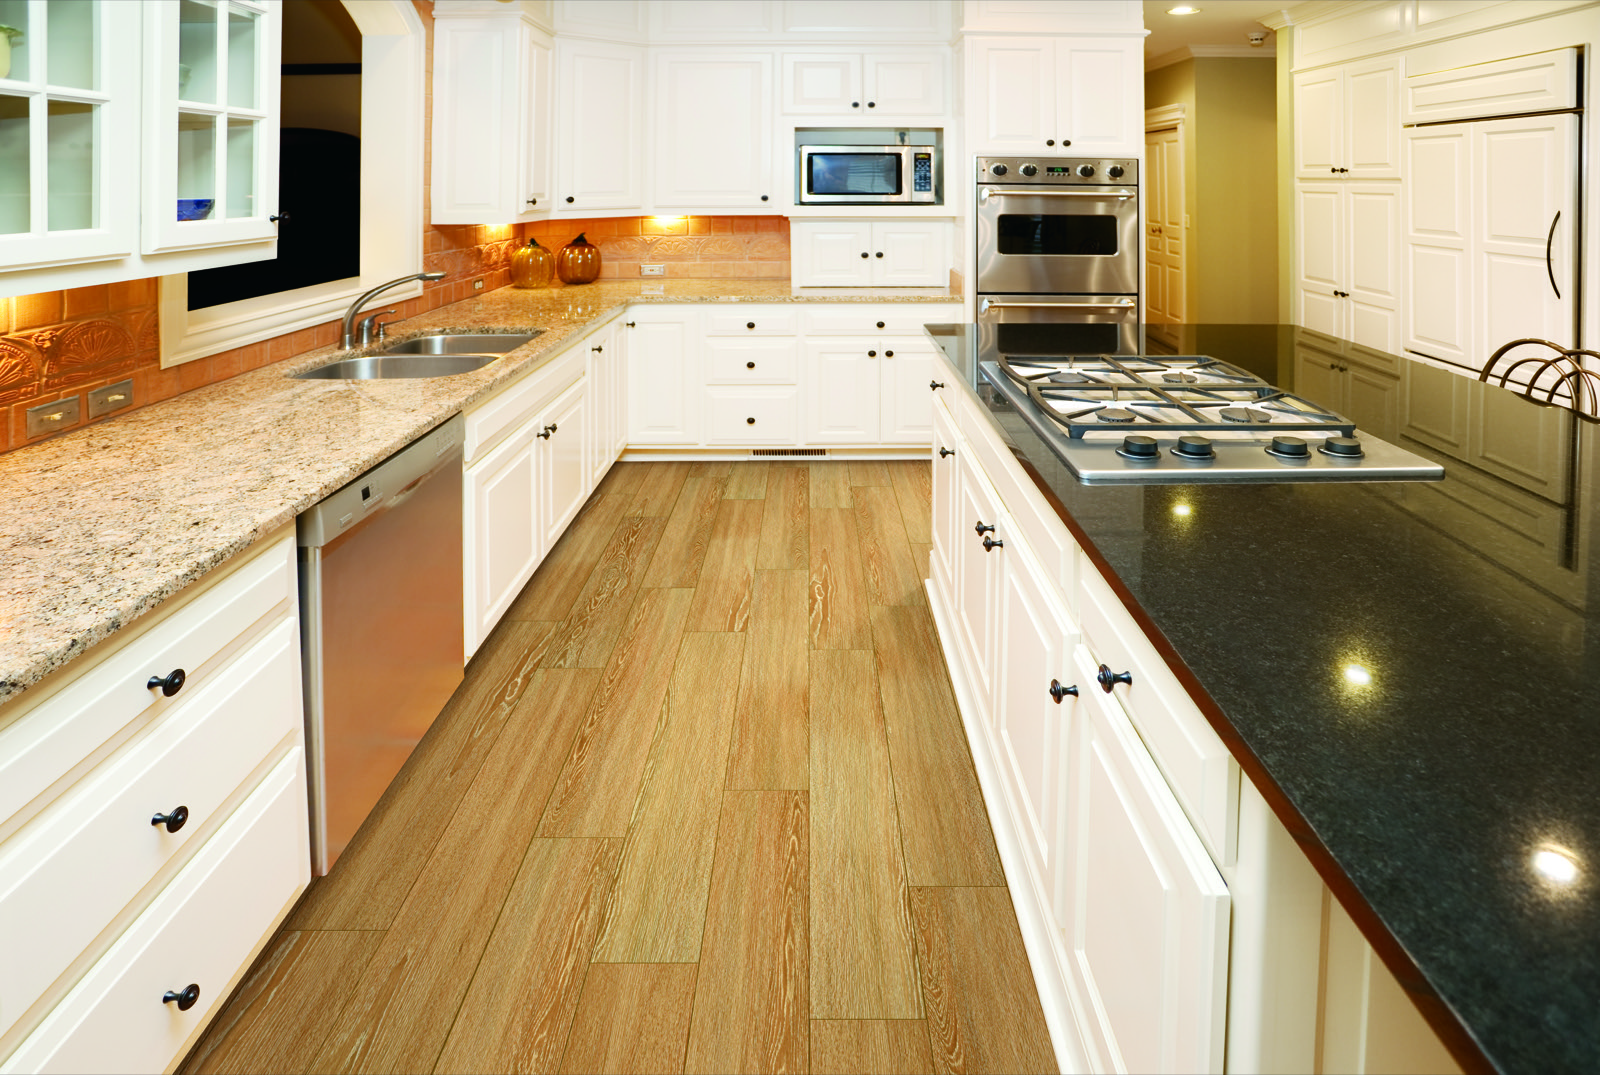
(1445, 799)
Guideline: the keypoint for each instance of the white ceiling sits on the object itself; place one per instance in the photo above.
(1220, 23)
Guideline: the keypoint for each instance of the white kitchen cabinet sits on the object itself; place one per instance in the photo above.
(210, 136)
(945, 489)
(909, 83)
(1348, 282)
(562, 476)
(712, 131)
(600, 105)
(501, 533)
(978, 518)
(1366, 392)
(1048, 94)
(870, 253)
(1347, 121)
(905, 406)
(606, 373)
(664, 375)
(492, 85)
(866, 390)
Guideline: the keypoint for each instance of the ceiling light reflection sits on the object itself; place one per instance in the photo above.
(1357, 675)
(1555, 864)
(1181, 509)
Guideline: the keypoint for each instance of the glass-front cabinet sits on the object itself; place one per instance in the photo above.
(211, 110)
(68, 131)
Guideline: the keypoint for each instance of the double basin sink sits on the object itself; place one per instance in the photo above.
(442, 354)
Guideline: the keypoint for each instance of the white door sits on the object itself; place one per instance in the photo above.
(946, 490)
(562, 443)
(906, 84)
(538, 85)
(664, 376)
(910, 254)
(907, 403)
(1372, 265)
(1099, 92)
(1318, 124)
(1164, 232)
(604, 378)
(1014, 105)
(713, 131)
(1438, 269)
(832, 253)
(502, 532)
(977, 575)
(1319, 212)
(1372, 121)
(1146, 913)
(822, 84)
(841, 387)
(602, 135)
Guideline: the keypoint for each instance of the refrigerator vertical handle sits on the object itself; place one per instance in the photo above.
(1549, 242)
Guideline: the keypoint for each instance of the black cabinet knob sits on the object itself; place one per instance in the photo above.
(1049, 141)
(946, 451)
(888, 354)
(863, 253)
(982, 527)
(855, 104)
(880, 324)
(990, 544)
(1333, 171)
(749, 365)
(630, 324)
(934, 386)
(549, 429)
(569, 199)
(1058, 692)
(173, 821)
(1109, 679)
(533, 201)
(597, 349)
(281, 218)
(872, 354)
(763, 197)
(872, 104)
(1066, 142)
(172, 684)
(879, 254)
(749, 421)
(185, 1000)
(749, 324)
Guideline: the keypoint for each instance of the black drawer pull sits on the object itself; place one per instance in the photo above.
(990, 544)
(880, 324)
(982, 527)
(1058, 692)
(934, 386)
(173, 821)
(172, 684)
(1109, 679)
(630, 324)
(749, 421)
(549, 429)
(749, 324)
(569, 199)
(946, 451)
(597, 349)
(749, 365)
(185, 999)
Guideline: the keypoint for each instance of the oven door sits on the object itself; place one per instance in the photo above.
(1071, 241)
(1023, 326)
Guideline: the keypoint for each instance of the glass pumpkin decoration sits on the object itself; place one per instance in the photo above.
(578, 262)
(532, 266)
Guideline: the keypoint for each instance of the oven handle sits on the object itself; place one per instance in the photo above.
(985, 193)
(1120, 304)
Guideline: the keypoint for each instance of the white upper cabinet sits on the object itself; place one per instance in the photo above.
(864, 253)
(1542, 82)
(491, 119)
(613, 20)
(910, 83)
(1050, 16)
(600, 99)
(1347, 122)
(906, 19)
(1040, 94)
(210, 124)
(712, 131)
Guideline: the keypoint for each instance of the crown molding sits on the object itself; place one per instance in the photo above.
(1210, 52)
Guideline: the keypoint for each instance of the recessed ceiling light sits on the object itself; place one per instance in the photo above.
(1183, 9)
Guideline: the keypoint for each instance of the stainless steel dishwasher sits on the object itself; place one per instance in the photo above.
(380, 627)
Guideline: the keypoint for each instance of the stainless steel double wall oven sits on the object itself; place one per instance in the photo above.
(1058, 252)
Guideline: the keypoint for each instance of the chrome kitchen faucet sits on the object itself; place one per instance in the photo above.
(347, 338)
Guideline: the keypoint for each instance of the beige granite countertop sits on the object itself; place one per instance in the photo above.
(100, 526)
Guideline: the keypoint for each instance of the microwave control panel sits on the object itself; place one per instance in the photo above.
(922, 171)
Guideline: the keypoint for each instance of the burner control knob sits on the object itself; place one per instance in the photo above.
(1029, 169)
(1086, 170)
(1342, 448)
(1135, 446)
(1289, 448)
(1192, 446)
(998, 169)
(1115, 171)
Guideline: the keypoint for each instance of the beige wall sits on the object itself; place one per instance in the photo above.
(1230, 184)
(1285, 172)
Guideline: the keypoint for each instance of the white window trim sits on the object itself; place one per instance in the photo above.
(393, 83)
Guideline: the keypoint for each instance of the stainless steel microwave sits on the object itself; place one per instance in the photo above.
(866, 175)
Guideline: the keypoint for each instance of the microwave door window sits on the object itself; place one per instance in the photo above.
(855, 174)
(1057, 234)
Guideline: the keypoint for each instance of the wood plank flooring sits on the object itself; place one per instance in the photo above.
(701, 804)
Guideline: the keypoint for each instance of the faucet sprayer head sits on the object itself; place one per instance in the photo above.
(432, 276)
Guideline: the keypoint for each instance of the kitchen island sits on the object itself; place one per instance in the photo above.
(1409, 673)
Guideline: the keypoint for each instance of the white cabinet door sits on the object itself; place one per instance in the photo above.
(910, 254)
(501, 531)
(841, 389)
(906, 84)
(1033, 713)
(946, 491)
(538, 83)
(1372, 265)
(1371, 121)
(1146, 913)
(977, 574)
(713, 131)
(664, 375)
(1318, 123)
(1438, 235)
(822, 84)
(1099, 96)
(907, 402)
(604, 374)
(602, 135)
(832, 253)
(1319, 222)
(1012, 102)
(562, 474)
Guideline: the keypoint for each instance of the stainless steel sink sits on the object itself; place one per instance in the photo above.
(385, 367)
(451, 343)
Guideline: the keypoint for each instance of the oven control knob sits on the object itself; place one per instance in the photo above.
(1029, 169)
(1135, 446)
(1289, 448)
(1193, 446)
(1086, 170)
(1115, 171)
(998, 169)
(1342, 448)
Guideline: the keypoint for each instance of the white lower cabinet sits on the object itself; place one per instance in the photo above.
(501, 532)
(946, 485)
(977, 572)
(867, 389)
(563, 475)
(663, 375)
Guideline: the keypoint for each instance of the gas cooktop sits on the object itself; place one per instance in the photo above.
(1189, 418)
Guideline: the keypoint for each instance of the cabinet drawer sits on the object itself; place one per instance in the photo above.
(53, 735)
(202, 929)
(735, 361)
(751, 321)
(98, 844)
(489, 422)
(729, 412)
(1203, 775)
(902, 320)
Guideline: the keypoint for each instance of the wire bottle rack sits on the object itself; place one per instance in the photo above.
(1558, 380)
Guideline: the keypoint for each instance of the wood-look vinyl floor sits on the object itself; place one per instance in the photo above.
(701, 804)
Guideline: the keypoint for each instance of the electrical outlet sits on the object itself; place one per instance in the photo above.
(652, 270)
(50, 417)
(477, 285)
(113, 397)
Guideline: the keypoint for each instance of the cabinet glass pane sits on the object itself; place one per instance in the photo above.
(241, 60)
(14, 39)
(197, 166)
(197, 51)
(72, 43)
(13, 165)
(69, 165)
(241, 168)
